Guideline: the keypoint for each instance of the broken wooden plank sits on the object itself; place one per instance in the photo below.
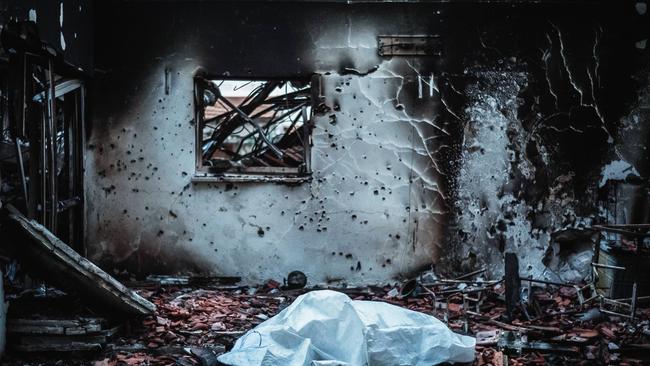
(70, 271)
(58, 343)
(54, 326)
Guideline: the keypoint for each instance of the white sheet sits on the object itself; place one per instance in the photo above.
(327, 328)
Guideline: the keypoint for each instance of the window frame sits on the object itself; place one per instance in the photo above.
(254, 173)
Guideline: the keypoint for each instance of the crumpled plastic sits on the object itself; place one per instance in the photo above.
(326, 328)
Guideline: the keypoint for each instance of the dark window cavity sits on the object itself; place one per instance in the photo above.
(253, 127)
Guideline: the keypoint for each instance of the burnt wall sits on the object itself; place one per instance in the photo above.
(66, 26)
(453, 159)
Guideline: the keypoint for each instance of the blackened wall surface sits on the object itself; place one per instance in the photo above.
(66, 26)
(507, 145)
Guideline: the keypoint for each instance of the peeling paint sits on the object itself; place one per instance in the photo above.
(617, 170)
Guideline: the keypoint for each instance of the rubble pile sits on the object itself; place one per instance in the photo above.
(549, 324)
(551, 328)
(202, 317)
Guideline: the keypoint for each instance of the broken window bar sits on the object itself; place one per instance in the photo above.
(272, 122)
(243, 115)
(227, 127)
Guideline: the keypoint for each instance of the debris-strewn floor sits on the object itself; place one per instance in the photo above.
(193, 324)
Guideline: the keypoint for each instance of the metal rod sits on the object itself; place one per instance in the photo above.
(638, 298)
(548, 282)
(79, 176)
(608, 266)
(633, 305)
(623, 226)
(306, 149)
(23, 99)
(43, 166)
(620, 231)
(471, 274)
(52, 144)
(21, 165)
(243, 115)
(614, 313)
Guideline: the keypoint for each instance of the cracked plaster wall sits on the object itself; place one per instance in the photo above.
(373, 210)
(493, 147)
(545, 129)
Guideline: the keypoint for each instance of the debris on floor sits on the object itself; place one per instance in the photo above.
(192, 325)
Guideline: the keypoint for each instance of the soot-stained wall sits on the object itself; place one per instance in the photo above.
(65, 26)
(450, 159)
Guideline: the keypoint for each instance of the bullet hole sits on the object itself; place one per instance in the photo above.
(340, 253)
(160, 233)
(301, 228)
(358, 266)
(354, 217)
(397, 236)
(172, 214)
(388, 261)
(260, 232)
(375, 192)
(348, 256)
(333, 253)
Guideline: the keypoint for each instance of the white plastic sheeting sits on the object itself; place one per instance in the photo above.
(328, 328)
